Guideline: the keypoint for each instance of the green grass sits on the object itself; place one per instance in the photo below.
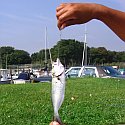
(95, 102)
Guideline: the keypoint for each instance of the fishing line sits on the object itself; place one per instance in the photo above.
(60, 38)
(60, 32)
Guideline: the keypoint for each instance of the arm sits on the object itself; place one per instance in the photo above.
(79, 13)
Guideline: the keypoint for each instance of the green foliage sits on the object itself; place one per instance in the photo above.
(19, 57)
(11, 56)
(34, 57)
(88, 101)
(98, 55)
(4, 52)
(39, 57)
(68, 51)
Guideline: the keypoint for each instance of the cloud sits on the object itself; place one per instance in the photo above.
(10, 16)
(43, 18)
(28, 18)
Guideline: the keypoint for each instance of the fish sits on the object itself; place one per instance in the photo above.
(58, 88)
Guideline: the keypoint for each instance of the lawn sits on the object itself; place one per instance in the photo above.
(88, 101)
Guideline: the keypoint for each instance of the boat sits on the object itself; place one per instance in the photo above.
(23, 77)
(4, 77)
(45, 77)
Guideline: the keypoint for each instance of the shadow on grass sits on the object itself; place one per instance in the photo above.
(121, 123)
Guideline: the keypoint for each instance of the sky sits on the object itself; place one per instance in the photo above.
(23, 23)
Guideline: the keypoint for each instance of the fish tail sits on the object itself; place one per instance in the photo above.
(57, 119)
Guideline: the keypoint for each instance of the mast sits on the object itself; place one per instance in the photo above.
(6, 60)
(45, 45)
(85, 44)
(84, 57)
(46, 67)
(0, 59)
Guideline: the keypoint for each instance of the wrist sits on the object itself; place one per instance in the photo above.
(100, 12)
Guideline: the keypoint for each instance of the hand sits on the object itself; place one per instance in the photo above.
(74, 13)
(54, 123)
(78, 13)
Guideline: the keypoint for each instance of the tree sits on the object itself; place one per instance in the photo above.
(19, 57)
(39, 57)
(34, 57)
(98, 55)
(10, 56)
(6, 50)
(69, 51)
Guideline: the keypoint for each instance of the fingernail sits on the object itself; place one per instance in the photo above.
(62, 27)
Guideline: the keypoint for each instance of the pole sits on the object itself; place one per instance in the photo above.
(6, 60)
(85, 44)
(0, 59)
(45, 44)
(84, 57)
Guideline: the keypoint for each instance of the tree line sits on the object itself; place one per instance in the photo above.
(69, 51)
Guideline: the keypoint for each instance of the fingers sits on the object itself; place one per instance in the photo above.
(66, 19)
(60, 7)
(60, 13)
(65, 15)
(68, 23)
(54, 123)
(74, 13)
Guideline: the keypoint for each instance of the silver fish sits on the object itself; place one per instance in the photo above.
(58, 88)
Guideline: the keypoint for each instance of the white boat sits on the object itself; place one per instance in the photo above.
(4, 77)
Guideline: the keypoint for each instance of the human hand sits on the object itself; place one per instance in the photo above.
(54, 123)
(74, 13)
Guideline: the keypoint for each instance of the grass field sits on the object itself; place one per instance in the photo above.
(88, 101)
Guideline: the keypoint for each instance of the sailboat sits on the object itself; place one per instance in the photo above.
(84, 58)
(46, 73)
(45, 77)
(4, 73)
(4, 77)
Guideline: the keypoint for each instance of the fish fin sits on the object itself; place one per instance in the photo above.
(57, 119)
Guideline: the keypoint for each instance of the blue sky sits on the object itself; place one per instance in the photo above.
(23, 22)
